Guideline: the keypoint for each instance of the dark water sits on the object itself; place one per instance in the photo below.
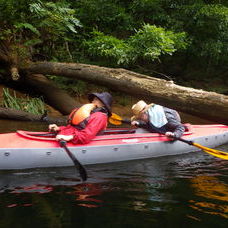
(178, 191)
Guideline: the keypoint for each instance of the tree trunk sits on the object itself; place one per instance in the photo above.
(207, 105)
(53, 95)
(9, 113)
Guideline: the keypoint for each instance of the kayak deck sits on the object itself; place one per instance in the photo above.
(23, 149)
(26, 139)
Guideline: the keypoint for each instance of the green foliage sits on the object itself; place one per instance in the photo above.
(45, 25)
(212, 26)
(12, 12)
(108, 16)
(108, 46)
(182, 32)
(55, 18)
(20, 26)
(31, 105)
(77, 88)
(205, 23)
(149, 43)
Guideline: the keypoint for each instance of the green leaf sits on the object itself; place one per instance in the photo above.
(27, 26)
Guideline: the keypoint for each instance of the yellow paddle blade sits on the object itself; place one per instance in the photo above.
(216, 153)
(115, 119)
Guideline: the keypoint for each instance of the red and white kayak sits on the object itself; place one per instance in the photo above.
(23, 149)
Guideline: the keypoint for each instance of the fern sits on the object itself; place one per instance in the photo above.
(27, 26)
(57, 16)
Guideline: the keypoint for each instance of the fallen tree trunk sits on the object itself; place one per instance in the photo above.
(13, 114)
(53, 95)
(207, 105)
(40, 86)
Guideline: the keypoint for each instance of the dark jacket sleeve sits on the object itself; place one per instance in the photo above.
(174, 122)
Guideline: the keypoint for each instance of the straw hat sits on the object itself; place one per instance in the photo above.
(138, 108)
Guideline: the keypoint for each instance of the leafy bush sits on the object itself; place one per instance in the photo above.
(109, 16)
(150, 42)
(43, 25)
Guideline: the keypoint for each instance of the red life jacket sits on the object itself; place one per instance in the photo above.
(79, 116)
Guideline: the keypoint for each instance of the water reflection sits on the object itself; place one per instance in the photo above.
(211, 190)
(86, 194)
(154, 191)
(40, 189)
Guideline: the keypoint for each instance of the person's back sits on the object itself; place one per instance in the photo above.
(156, 118)
(87, 127)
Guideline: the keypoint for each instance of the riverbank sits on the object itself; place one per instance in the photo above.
(121, 106)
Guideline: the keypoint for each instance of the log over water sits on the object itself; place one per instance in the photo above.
(204, 104)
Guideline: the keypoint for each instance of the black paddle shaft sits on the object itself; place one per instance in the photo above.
(78, 165)
(185, 141)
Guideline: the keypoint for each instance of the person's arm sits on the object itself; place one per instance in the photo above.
(96, 123)
(176, 127)
(139, 123)
(174, 124)
(177, 130)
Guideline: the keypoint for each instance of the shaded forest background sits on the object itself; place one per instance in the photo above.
(185, 41)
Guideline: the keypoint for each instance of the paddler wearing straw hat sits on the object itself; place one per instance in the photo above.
(157, 118)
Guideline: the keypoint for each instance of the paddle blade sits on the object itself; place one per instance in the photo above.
(82, 173)
(115, 119)
(216, 153)
(78, 165)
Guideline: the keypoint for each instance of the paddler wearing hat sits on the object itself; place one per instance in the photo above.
(157, 118)
(87, 121)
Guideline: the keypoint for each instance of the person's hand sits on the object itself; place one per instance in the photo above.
(53, 127)
(64, 137)
(170, 134)
(135, 123)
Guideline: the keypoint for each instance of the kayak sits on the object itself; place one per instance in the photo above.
(24, 149)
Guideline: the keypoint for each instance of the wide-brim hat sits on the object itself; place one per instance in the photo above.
(105, 98)
(139, 108)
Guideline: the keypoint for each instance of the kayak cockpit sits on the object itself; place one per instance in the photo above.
(111, 133)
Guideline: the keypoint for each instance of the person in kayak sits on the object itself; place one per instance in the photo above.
(156, 118)
(87, 121)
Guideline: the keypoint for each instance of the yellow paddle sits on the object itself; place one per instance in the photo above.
(216, 153)
(117, 120)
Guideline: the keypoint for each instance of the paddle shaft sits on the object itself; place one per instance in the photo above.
(184, 140)
(43, 134)
(81, 169)
(126, 121)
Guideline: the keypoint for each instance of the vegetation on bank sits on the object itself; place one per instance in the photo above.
(185, 41)
(80, 89)
(31, 105)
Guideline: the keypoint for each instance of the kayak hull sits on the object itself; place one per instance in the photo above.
(21, 151)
